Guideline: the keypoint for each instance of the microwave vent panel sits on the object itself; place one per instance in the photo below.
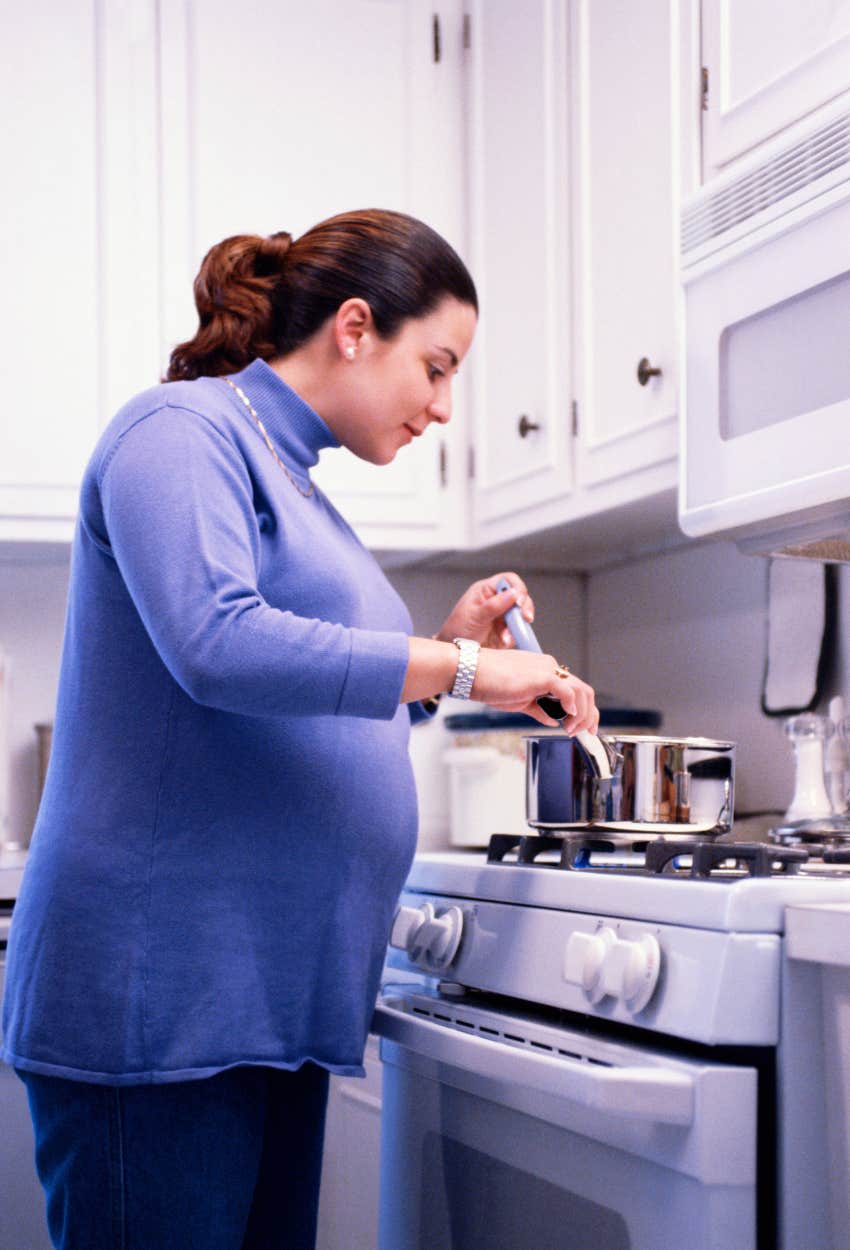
(767, 189)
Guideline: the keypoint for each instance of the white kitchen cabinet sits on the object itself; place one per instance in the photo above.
(624, 271)
(573, 240)
(335, 106)
(519, 234)
(768, 66)
(79, 318)
(348, 1200)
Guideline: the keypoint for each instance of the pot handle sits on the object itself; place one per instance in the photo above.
(526, 640)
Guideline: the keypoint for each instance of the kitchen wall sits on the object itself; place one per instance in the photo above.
(687, 632)
(33, 588)
(683, 631)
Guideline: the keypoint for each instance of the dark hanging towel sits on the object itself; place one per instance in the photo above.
(802, 608)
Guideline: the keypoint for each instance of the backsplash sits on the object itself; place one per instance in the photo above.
(33, 590)
(684, 632)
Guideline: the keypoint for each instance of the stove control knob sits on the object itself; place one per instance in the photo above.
(407, 921)
(584, 960)
(630, 970)
(431, 939)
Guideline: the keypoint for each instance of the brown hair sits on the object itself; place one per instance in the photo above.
(266, 296)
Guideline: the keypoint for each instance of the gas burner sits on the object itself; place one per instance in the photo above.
(705, 859)
(549, 850)
(829, 833)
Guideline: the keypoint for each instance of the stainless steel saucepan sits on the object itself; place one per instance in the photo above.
(627, 786)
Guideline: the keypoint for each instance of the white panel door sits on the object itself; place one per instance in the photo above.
(519, 223)
(769, 65)
(50, 318)
(333, 105)
(78, 145)
(625, 320)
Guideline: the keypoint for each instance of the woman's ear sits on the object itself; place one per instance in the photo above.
(353, 325)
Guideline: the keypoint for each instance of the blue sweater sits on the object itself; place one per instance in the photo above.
(229, 812)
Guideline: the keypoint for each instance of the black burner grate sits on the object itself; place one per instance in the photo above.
(661, 856)
(755, 859)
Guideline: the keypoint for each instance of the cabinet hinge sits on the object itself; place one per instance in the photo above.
(467, 32)
(444, 466)
(704, 88)
(470, 463)
(574, 417)
(436, 42)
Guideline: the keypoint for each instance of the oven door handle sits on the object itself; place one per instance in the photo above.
(654, 1094)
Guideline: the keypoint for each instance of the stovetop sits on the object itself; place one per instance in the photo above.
(12, 861)
(720, 885)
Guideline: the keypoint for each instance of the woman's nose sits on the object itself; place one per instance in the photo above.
(440, 408)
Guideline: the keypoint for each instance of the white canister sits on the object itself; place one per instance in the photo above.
(486, 793)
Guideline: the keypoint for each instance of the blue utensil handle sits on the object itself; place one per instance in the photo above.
(603, 756)
(526, 640)
(523, 634)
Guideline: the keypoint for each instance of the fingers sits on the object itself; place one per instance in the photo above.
(581, 698)
(514, 682)
(517, 594)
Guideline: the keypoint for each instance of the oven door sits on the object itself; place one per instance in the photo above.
(505, 1131)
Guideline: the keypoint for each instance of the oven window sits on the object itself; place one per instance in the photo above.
(492, 1205)
(786, 360)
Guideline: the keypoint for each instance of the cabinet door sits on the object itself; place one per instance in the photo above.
(519, 234)
(769, 65)
(623, 205)
(339, 104)
(350, 1188)
(78, 145)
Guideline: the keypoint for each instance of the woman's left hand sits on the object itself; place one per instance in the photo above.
(479, 614)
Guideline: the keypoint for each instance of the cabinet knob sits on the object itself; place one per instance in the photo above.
(525, 425)
(645, 371)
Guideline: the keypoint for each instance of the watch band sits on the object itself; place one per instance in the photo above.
(467, 665)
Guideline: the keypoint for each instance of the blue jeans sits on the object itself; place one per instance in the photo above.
(230, 1162)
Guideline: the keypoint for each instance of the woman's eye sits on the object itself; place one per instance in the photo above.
(434, 373)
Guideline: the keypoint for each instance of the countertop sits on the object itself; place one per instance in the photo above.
(11, 869)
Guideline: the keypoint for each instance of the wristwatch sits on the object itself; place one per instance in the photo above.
(467, 664)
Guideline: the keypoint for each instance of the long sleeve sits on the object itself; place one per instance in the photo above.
(179, 519)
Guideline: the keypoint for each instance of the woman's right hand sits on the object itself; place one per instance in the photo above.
(513, 681)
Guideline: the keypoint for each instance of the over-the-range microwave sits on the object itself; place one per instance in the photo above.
(765, 268)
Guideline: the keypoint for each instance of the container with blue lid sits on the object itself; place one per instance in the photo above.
(611, 719)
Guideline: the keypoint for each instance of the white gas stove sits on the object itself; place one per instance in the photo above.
(635, 1009)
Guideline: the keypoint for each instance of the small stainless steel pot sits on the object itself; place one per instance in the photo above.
(676, 786)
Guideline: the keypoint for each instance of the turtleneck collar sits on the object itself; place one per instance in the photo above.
(297, 431)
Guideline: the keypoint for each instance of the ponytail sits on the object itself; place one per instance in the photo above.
(233, 293)
(264, 297)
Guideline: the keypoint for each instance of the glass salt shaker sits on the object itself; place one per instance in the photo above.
(840, 790)
(808, 734)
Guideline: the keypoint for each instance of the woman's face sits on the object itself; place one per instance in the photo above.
(397, 387)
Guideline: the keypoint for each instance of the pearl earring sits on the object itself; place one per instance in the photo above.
(349, 351)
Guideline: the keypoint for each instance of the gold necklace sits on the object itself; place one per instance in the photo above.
(246, 401)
